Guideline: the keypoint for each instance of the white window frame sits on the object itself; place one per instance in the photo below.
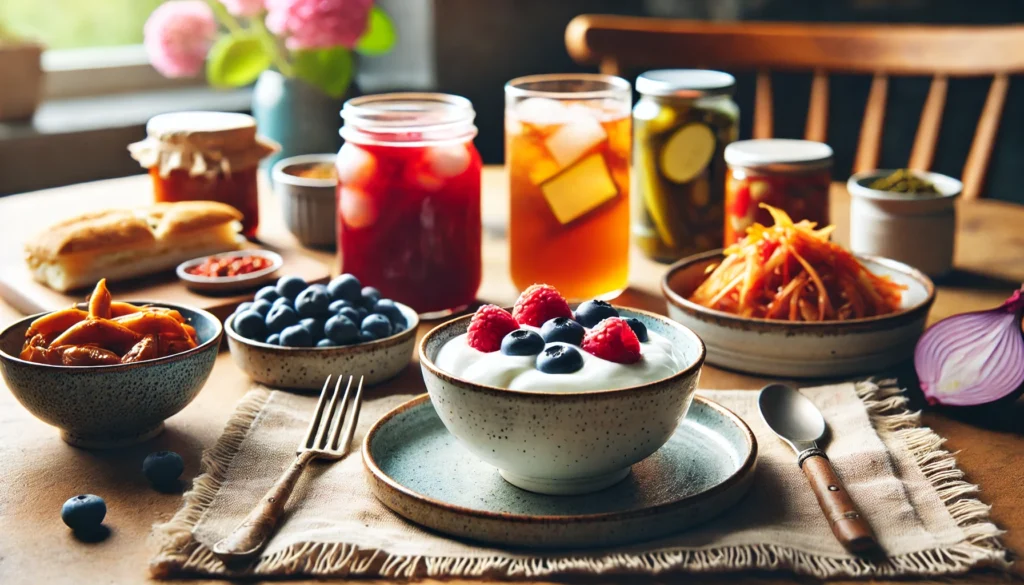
(72, 73)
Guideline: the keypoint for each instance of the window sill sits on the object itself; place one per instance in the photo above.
(84, 139)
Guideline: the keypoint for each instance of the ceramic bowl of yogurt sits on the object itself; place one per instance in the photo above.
(562, 433)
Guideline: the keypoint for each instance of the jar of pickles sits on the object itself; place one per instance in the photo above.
(205, 156)
(409, 199)
(681, 126)
(793, 175)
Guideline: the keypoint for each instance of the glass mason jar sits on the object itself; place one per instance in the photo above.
(792, 175)
(409, 199)
(681, 125)
(205, 156)
(567, 140)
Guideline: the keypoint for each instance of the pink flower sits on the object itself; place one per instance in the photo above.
(318, 24)
(177, 36)
(246, 8)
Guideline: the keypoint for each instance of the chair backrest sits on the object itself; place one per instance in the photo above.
(619, 43)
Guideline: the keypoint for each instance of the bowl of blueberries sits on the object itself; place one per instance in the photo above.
(294, 334)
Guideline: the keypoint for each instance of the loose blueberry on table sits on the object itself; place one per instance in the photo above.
(163, 468)
(293, 313)
(83, 513)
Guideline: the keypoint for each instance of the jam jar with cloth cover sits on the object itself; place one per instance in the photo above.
(205, 156)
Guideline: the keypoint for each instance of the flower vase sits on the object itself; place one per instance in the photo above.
(298, 116)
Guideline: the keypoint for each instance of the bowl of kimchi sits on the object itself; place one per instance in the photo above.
(786, 301)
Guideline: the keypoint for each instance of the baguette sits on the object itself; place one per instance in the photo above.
(120, 244)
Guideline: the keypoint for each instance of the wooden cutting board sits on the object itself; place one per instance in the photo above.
(25, 215)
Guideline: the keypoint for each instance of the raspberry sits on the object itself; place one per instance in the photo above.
(489, 325)
(540, 303)
(613, 340)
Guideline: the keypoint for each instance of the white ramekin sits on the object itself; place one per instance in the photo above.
(916, 230)
(308, 205)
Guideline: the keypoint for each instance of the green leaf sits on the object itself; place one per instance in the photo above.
(329, 69)
(380, 34)
(237, 59)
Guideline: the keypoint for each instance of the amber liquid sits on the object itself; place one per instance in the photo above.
(239, 190)
(587, 257)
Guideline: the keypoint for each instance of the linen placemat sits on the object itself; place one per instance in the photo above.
(925, 515)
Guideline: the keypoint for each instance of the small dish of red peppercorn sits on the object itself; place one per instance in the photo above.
(230, 271)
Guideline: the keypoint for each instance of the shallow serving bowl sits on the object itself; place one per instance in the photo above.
(563, 442)
(225, 284)
(306, 368)
(799, 349)
(111, 406)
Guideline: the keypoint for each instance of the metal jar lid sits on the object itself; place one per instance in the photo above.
(685, 83)
(779, 154)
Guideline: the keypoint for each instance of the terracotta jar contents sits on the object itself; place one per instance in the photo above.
(205, 156)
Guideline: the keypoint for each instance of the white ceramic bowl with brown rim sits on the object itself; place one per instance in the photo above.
(307, 204)
(800, 349)
(563, 442)
(306, 368)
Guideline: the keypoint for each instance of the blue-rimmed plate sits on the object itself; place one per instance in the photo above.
(419, 471)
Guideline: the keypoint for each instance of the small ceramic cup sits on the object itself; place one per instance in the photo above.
(308, 205)
(915, 229)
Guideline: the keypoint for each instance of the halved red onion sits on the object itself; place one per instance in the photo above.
(973, 358)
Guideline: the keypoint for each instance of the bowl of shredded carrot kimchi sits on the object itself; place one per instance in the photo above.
(788, 301)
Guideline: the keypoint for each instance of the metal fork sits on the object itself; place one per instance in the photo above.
(328, 437)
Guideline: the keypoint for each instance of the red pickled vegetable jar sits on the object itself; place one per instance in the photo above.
(409, 199)
(793, 175)
(205, 156)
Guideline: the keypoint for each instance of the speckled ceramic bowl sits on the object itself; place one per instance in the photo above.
(563, 443)
(825, 349)
(111, 406)
(306, 368)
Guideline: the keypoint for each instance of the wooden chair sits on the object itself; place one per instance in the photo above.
(617, 43)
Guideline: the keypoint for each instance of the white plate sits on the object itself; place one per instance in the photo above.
(224, 284)
(799, 349)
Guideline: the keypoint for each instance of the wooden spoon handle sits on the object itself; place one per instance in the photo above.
(253, 533)
(847, 524)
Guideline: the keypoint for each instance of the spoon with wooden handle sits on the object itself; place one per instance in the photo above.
(799, 423)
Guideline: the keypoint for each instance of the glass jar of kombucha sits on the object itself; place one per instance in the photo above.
(567, 144)
(205, 156)
(409, 199)
(793, 175)
(681, 125)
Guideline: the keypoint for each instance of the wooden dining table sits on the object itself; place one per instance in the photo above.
(38, 471)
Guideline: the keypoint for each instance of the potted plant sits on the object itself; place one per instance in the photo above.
(301, 54)
(21, 76)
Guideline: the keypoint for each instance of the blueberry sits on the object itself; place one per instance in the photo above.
(290, 286)
(522, 342)
(338, 305)
(320, 287)
(280, 317)
(273, 339)
(283, 302)
(163, 468)
(366, 337)
(262, 307)
(353, 315)
(326, 343)
(376, 325)
(342, 330)
(562, 329)
(250, 325)
(369, 297)
(639, 328)
(559, 358)
(389, 309)
(84, 512)
(315, 327)
(345, 287)
(244, 306)
(296, 336)
(363, 312)
(267, 293)
(590, 313)
(312, 302)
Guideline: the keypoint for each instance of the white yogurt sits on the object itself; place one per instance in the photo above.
(658, 360)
